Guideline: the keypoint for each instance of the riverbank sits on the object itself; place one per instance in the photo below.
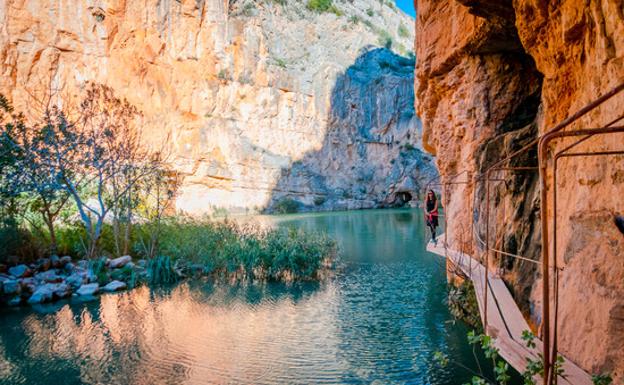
(185, 248)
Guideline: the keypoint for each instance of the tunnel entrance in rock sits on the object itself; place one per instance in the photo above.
(402, 198)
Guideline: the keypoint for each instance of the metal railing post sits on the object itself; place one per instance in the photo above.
(541, 158)
(487, 250)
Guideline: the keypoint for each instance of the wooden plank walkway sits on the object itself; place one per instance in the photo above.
(505, 321)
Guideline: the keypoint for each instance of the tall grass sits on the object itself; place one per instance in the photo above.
(161, 270)
(227, 248)
(186, 246)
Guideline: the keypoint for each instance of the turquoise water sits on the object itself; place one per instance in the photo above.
(378, 321)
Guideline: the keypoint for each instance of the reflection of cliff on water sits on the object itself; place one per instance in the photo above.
(166, 336)
(370, 156)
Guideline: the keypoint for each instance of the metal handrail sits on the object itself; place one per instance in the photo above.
(543, 153)
(542, 142)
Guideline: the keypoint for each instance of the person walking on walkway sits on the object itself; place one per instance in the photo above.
(431, 213)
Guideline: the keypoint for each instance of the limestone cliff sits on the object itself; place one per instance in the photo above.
(493, 75)
(245, 90)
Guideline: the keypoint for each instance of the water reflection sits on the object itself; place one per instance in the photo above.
(378, 321)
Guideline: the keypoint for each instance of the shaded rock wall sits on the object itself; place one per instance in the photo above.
(369, 156)
(497, 75)
(243, 89)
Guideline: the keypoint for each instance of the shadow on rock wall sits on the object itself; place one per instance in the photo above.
(371, 155)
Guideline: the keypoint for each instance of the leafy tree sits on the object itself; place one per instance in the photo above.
(24, 174)
(95, 157)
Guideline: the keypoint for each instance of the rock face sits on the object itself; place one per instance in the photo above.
(241, 91)
(368, 157)
(492, 76)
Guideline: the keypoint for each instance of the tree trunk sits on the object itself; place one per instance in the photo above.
(49, 221)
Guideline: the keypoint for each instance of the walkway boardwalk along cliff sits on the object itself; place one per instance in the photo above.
(505, 321)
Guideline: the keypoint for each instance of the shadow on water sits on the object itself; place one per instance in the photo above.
(370, 154)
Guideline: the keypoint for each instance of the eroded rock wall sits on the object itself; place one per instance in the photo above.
(494, 75)
(239, 90)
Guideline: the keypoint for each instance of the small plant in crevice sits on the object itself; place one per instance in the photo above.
(354, 19)
(223, 75)
(280, 62)
(602, 379)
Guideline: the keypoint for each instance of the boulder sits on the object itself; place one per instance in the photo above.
(43, 294)
(28, 284)
(114, 286)
(20, 271)
(65, 260)
(56, 261)
(69, 268)
(83, 264)
(11, 287)
(15, 301)
(61, 290)
(88, 289)
(76, 280)
(119, 262)
(49, 276)
(43, 264)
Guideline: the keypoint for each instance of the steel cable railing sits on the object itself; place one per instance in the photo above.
(542, 142)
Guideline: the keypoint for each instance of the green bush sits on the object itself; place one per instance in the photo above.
(403, 31)
(370, 12)
(321, 6)
(18, 242)
(99, 270)
(286, 206)
(384, 39)
(462, 302)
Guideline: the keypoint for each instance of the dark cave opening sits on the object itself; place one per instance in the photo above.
(402, 198)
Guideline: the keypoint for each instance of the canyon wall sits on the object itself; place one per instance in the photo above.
(241, 92)
(492, 76)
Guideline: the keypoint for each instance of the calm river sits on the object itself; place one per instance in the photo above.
(379, 321)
